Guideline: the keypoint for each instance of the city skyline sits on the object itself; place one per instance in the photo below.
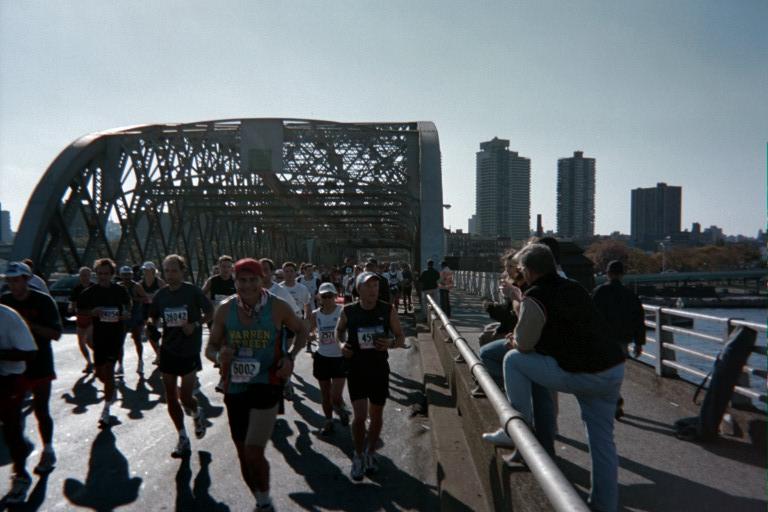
(657, 92)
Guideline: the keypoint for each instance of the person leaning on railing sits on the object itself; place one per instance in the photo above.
(560, 344)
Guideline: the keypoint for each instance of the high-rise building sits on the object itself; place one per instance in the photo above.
(472, 225)
(576, 197)
(502, 191)
(6, 235)
(655, 214)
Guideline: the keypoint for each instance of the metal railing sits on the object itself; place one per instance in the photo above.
(486, 284)
(556, 487)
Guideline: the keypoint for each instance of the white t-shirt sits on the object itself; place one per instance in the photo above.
(311, 285)
(327, 344)
(300, 296)
(14, 334)
(284, 294)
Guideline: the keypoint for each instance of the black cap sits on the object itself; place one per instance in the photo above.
(615, 267)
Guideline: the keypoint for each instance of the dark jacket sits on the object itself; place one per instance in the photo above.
(574, 332)
(622, 310)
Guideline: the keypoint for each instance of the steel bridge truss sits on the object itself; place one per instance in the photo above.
(211, 188)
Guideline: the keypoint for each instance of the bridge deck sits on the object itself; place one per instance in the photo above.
(657, 471)
(130, 466)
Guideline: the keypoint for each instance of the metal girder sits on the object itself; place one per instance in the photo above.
(206, 188)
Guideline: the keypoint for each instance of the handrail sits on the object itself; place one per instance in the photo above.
(556, 487)
(486, 284)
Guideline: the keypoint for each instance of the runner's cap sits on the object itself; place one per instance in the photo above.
(362, 278)
(327, 288)
(249, 265)
(16, 269)
(125, 270)
(148, 265)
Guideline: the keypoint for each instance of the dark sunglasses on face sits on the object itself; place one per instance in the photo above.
(327, 296)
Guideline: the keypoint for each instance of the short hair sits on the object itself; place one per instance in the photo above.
(553, 245)
(430, 263)
(83, 269)
(101, 262)
(268, 262)
(225, 257)
(289, 264)
(538, 258)
(179, 260)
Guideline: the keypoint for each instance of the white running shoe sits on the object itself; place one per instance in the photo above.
(20, 485)
(358, 468)
(183, 448)
(499, 438)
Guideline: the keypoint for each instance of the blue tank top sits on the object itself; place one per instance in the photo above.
(258, 347)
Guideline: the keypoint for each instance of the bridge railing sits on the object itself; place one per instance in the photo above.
(556, 487)
(665, 323)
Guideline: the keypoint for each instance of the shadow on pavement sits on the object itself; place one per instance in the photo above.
(84, 393)
(196, 497)
(108, 484)
(331, 488)
(666, 491)
(136, 400)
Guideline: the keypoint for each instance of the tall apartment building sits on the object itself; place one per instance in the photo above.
(502, 191)
(6, 235)
(576, 197)
(656, 214)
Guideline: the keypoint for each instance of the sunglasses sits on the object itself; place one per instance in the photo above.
(327, 296)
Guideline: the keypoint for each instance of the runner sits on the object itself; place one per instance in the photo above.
(42, 316)
(183, 308)
(301, 298)
(151, 283)
(348, 282)
(220, 286)
(247, 341)
(308, 279)
(108, 304)
(17, 349)
(328, 364)
(394, 278)
(83, 323)
(134, 324)
(407, 287)
(368, 329)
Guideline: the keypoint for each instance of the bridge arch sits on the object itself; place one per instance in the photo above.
(287, 188)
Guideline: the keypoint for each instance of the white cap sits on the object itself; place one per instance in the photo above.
(327, 288)
(363, 277)
(125, 270)
(148, 265)
(16, 269)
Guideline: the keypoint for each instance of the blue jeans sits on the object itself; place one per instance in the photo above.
(544, 421)
(597, 394)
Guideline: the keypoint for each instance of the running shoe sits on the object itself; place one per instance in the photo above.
(327, 428)
(46, 464)
(199, 423)
(371, 464)
(20, 485)
(358, 468)
(183, 448)
(343, 415)
(265, 507)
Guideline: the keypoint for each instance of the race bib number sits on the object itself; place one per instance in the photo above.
(244, 370)
(109, 315)
(366, 335)
(175, 317)
(327, 337)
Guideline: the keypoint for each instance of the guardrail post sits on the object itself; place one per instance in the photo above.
(664, 338)
(737, 399)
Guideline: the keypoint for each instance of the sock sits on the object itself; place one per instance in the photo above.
(262, 498)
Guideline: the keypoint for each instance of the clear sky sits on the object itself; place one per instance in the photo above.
(654, 90)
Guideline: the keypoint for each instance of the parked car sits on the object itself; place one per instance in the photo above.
(60, 291)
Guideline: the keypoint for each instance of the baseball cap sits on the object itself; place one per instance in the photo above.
(125, 270)
(363, 277)
(327, 288)
(148, 265)
(16, 269)
(249, 265)
(615, 267)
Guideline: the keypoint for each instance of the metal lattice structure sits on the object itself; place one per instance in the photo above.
(252, 187)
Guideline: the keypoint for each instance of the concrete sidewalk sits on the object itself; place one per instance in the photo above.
(657, 471)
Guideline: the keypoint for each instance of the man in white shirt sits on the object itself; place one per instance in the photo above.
(299, 292)
(17, 346)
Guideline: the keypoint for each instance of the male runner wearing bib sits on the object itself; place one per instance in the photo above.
(220, 286)
(247, 340)
(368, 328)
(328, 364)
(109, 304)
(183, 308)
